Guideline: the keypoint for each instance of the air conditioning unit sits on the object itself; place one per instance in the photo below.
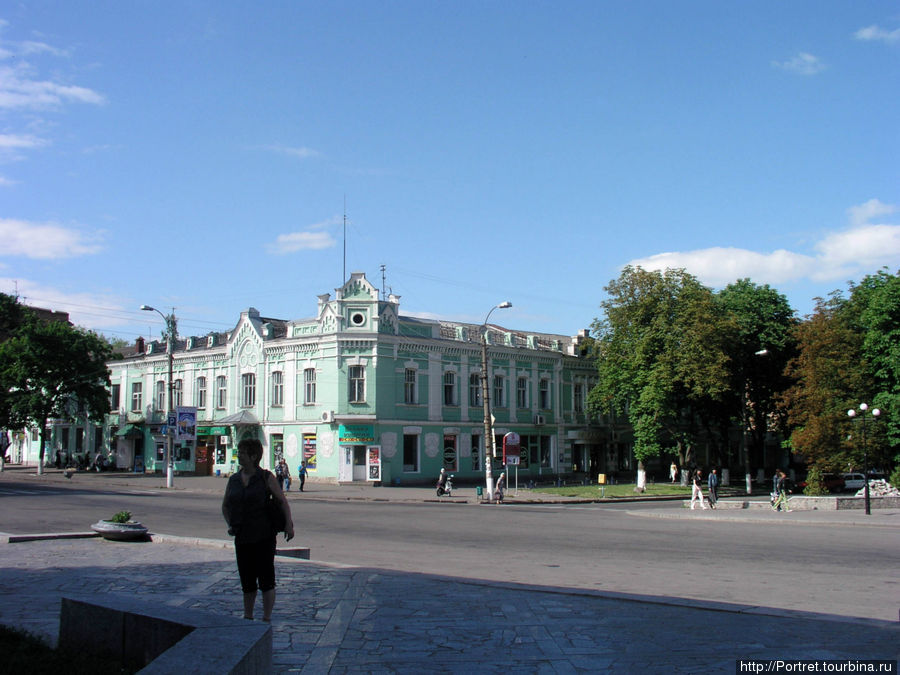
(538, 419)
(328, 416)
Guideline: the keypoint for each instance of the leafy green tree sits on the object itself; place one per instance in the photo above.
(763, 344)
(51, 369)
(874, 309)
(828, 373)
(660, 351)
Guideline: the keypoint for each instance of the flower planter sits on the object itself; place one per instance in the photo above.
(120, 531)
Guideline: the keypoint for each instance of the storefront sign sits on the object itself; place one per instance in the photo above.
(212, 431)
(356, 433)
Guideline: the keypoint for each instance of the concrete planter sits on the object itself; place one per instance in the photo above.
(120, 531)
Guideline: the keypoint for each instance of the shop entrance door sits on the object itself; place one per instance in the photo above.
(204, 460)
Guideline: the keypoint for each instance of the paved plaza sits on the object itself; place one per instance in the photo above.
(343, 619)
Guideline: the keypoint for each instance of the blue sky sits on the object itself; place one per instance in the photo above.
(198, 155)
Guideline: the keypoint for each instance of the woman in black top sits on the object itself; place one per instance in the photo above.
(244, 508)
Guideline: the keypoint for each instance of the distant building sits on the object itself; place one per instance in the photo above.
(360, 393)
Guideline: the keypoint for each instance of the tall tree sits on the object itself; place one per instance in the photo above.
(763, 344)
(828, 373)
(661, 350)
(874, 309)
(51, 369)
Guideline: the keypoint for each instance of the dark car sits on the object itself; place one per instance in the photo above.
(832, 482)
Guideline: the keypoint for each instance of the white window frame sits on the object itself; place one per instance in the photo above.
(410, 386)
(200, 393)
(277, 388)
(449, 388)
(137, 396)
(356, 384)
(309, 386)
(221, 392)
(248, 390)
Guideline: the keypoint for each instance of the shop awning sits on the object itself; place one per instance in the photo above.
(130, 431)
(242, 418)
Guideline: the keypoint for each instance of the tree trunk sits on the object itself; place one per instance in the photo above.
(641, 477)
(43, 442)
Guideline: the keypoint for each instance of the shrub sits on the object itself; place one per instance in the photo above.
(894, 478)
(814, 483)
(121, 517)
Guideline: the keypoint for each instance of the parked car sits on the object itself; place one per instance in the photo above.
(854, 481)
(831, 481)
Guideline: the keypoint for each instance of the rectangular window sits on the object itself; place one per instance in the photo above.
(136, 396)
(309, 386)
(357, 384)
(450, 388)
(200, 395)
(544, 395)
(178, 392)
(277, 388)
(522, 392)
(475, 390)
(221, 392)
(410, 453)
(450, 452)
(476, 452)
(579, 397)
(499, 390)
(409, 386)
(115, 395)
(160, 395)
(248, 390)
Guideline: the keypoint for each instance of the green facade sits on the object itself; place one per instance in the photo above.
(400, 389)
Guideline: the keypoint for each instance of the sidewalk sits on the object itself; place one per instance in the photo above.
(333, 619)
(341, 619)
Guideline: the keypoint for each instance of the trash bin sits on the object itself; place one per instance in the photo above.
(479, 490)
(601, 479)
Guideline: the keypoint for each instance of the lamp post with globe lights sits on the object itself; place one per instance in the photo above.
(485, 399)
(875, 413)
(171, 336)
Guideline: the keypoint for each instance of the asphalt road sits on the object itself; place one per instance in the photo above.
(831, 569)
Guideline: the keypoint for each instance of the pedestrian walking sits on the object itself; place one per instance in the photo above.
(301, 474)
(283, 474)
(697, 489)
(500, 487)
(244, 506)
(713, 484)
(783, 488)
(673, 472)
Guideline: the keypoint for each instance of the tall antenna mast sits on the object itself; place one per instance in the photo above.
(383, 294)
(344, 278)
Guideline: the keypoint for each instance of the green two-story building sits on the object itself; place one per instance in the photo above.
(363, 393)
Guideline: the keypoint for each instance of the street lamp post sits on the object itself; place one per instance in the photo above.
(746, 427)
(863, 408)
(485, 399)
(171, 334)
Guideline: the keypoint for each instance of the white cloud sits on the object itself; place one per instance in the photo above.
(301, 152)
(861, 249)
(17, 141)
(7, 182)
(88, 310)
(802, 64)
(300, 241)
(719, 266)
(873, 208)
(18, 90)
(876, 33)
(44, 241)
